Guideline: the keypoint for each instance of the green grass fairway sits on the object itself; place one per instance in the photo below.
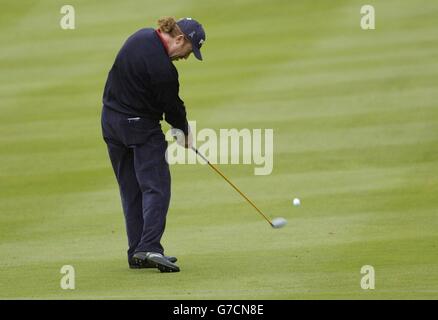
(355, 120)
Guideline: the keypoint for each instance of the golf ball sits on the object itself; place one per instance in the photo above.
(296, 202)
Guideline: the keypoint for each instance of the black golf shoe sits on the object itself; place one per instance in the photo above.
(134, 265)
(153, 260)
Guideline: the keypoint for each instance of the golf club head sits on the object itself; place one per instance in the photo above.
(278, 223)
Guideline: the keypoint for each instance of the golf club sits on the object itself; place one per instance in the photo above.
(275, 223)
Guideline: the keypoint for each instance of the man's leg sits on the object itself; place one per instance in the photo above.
(153, 176)
(122, 159)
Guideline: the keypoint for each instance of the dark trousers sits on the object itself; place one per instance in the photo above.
(137, 150)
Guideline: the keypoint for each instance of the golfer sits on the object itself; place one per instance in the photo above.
(143, 85)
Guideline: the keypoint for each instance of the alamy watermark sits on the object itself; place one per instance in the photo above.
(68, 19)
(68, 280)
(368, 281)
(368, 20)
(227, 146)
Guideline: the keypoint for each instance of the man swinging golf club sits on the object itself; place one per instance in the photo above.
(143, 85)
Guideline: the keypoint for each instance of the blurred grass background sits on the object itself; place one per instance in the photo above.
(355, 122)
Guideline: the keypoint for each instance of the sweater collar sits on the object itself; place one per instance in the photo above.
(158, 31)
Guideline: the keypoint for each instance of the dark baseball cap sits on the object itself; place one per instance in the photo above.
(194, 31)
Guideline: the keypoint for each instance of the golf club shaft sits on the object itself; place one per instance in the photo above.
(231, 184)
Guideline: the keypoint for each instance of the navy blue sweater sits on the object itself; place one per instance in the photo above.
(143, 81)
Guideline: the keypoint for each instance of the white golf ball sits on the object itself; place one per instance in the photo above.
(296, 202)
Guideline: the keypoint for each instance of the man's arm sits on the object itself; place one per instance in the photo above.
(173, 107)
